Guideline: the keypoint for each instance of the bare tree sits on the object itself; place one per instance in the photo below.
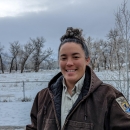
(25, 53)
(39, 55)
(99, 54)
(94, 54)
(104, 54)
(123, 25)
(51, 63)
(14, 49)
(89, 44)
(116, 48)
(116, 45)
(1, 61)
(91, 50)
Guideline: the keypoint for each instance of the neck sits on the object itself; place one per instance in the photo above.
(70, 86)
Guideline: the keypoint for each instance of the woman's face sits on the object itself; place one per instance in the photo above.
(72, 62)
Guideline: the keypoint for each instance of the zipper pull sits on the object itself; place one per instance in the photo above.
(85, 117)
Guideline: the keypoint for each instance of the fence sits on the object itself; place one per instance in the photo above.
(20, 91)
(27, 90)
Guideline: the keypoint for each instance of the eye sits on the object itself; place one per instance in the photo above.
(76, 57)
(63, 58)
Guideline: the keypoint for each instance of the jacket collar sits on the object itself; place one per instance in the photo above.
(90, 77)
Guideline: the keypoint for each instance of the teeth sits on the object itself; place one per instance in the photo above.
(70, 70)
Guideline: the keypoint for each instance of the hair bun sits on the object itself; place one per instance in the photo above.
(72, 33)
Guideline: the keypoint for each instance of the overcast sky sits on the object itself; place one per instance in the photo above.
(24, 19)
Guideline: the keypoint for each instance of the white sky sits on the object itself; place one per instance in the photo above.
(14, 8)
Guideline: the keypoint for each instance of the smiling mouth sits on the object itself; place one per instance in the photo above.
(70, 70)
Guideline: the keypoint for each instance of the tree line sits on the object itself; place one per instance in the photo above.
(113, 53)
(28, 56)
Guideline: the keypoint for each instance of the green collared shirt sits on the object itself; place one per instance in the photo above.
(68, 100)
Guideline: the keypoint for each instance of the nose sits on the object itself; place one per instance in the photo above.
(69, 62)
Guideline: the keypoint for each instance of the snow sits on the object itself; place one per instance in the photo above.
(14, 112)
(14, 87)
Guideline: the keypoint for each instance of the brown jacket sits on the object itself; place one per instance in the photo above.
(95, 109)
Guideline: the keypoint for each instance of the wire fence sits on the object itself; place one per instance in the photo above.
(21, 90)
(27, 90)
(120, 85)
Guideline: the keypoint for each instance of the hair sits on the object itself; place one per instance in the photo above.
(74, 35)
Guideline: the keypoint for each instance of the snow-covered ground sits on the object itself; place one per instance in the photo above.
(14, 112)
(15, 87)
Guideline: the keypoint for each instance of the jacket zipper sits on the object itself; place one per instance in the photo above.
(73, 111)
(57, 122)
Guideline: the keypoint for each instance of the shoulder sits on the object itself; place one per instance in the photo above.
(43, 93)
(115, 98)
(110, 87)
(110, 90)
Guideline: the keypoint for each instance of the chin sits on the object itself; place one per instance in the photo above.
(71, 80)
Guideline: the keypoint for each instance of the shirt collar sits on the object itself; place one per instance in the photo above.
(78, 86)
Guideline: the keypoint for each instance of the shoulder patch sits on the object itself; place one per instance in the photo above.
(124, 104)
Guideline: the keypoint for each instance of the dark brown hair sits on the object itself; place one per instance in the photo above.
(74, 35)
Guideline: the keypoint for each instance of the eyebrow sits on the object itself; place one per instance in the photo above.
(72, 54)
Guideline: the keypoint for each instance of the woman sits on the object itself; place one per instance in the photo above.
(76, 99)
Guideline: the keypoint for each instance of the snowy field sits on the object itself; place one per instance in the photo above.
(13, 111)
(17, 87)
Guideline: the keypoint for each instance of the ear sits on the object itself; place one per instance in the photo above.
(88, 61)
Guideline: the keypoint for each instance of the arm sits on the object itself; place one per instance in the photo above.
(33, 115)
(120, 114)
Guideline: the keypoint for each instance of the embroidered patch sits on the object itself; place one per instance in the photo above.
(124, 104)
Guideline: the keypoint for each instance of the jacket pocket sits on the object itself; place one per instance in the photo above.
(75, 125)
(49, 124)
